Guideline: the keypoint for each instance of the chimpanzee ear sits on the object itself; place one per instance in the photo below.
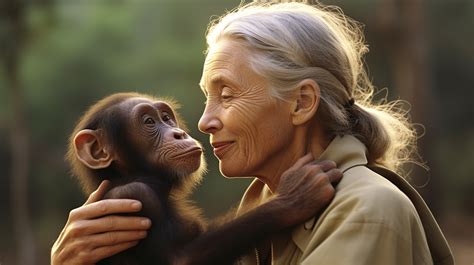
(91, 150)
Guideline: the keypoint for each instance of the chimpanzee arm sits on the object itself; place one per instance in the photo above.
(223, 244)
(303, 191)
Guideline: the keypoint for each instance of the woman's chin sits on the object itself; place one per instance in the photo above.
(230, 172)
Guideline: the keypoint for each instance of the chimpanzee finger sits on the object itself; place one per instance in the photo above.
(303, 161)
(334, 176)
(105, 207)
(325, 165)
(99, 193)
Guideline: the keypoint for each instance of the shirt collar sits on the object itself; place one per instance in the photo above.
(347, 151)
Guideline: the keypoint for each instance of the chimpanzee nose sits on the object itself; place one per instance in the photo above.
(179, 134)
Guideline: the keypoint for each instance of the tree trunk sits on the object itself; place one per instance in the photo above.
(12, 17)
(402, 24)
(19, 171)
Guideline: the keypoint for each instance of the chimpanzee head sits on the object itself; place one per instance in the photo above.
(130, 135)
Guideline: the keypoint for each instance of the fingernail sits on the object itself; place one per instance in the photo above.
(146, 222)
(142, 234)
(136, 205)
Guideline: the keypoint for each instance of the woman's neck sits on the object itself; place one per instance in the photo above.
(318, 141)
(305, 141)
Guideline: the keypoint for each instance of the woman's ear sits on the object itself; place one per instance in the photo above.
(306, 101)
(91, 150)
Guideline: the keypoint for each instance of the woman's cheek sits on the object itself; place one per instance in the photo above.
(250, 140)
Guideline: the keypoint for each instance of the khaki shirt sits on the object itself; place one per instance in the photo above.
(373, 219)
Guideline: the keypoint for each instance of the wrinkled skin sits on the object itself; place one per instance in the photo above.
(240, 110)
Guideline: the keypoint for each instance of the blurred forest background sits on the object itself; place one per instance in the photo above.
(59, 56)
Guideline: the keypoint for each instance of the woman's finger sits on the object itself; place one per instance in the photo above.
(99, 193)
(110, 223)
(105, 207)
(107, 251)
(117, 237)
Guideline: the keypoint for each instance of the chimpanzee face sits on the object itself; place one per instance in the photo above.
(153, 130)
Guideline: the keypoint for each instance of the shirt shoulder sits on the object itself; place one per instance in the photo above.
(364, 200)
(365, 196)
(367, 219)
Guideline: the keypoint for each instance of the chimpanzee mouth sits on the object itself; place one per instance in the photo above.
(196, 150)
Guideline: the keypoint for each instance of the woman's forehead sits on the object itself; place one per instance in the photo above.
(227, 61)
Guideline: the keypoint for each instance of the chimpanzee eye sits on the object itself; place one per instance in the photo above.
(149, 120)
(168, 118)
(165, 117)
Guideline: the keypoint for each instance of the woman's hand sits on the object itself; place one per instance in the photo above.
(306, 188)
(92, 234)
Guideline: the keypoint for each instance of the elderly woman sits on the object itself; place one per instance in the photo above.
(285, 79)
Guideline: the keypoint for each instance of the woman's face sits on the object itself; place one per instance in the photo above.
(249, 129)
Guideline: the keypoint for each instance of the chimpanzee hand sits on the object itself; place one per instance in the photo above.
(92, 234)
(306, 188)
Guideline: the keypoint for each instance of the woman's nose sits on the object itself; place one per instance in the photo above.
(209, 123)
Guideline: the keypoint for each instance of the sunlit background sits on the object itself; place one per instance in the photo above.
(60, 56)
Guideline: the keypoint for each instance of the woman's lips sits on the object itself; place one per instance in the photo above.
(220, 148)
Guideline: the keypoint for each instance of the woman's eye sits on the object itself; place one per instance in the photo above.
(226, 96)
(226, 93)
(149, 120)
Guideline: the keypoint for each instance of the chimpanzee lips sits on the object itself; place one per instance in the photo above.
(196, 150)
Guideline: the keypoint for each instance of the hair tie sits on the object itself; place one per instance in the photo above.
(349, 103)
